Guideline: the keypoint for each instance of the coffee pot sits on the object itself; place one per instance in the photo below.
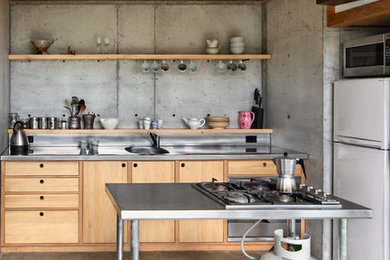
(286, 170)
(19, 141)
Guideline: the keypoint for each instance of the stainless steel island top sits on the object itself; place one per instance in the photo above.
(182, 201)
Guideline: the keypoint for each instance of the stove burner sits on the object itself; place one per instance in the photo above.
(275, 196)
(255, 186)
(239, 197)
(216, 187)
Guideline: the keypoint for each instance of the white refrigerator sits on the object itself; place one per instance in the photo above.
(361, 142)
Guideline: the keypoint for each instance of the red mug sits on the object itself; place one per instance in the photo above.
(246, 119)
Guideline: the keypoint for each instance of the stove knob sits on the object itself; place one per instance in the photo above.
(317, 191)
(309, 188)
(324, 195)
(301, 186)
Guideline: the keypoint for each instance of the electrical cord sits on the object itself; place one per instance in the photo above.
(243, 239)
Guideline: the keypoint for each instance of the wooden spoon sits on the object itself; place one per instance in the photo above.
(82, 109)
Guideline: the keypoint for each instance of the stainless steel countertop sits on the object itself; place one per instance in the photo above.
(118, 153)
(182, 201)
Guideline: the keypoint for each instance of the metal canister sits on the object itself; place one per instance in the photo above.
(42, 123)
(34, 123)
(63, 124)
(52, 123)
(13, 117)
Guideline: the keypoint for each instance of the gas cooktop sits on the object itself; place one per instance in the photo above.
(263, 194)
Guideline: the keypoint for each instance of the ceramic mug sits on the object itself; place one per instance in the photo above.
(246, 119)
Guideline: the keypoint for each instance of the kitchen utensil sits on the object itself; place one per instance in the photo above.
(141, 124)
(241, 66)
(160, 123)
(258, 111)
(164, 66)
(52, 123)
(154, 124)
(237, 50)
(34, 123)
(192, 67)
(246, 119)
(145, 67)
(88, 120)
(221, 67)
(42, 122)
(218, 125)
(147, 122)
(286, 170)
(194, 123)
(19, 141)
(83, 147)
(42, 45)
(67, 103)
(12, 119)
(109, 122)
(182, 66)
(155, 67)
(231, 66)
(74, 123)
(63, 124)
(82, 109)
(236, 39)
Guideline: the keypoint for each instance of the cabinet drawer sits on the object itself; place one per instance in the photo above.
(42, 201)
(41, 168)
(41, 227)
(42, 184)
(256, 168)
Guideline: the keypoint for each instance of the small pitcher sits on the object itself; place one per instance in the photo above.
(214, 44)
(246, 119)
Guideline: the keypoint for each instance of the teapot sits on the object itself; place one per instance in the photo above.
(214, 44)
(194, 123)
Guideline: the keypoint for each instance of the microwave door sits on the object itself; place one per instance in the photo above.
(361, 112)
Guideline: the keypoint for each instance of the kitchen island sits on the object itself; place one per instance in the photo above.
(182, 201)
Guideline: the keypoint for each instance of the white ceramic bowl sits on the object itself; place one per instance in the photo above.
(237, 44)
(237, 39)
(109, 123)
(237, 50)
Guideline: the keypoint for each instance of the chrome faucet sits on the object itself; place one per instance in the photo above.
(156, 139)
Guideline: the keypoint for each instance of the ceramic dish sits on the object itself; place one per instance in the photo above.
(109, 123)
(218, 125)
(217, 119)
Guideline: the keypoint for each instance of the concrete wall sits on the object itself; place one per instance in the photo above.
(4, 73)
(120, 89)
(294, 86)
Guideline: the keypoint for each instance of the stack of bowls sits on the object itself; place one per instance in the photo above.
(237, 45)
(218, 122)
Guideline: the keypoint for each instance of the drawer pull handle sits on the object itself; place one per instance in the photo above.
(41, 197)
(135, 165)
(264, 164)
(183, 165)
(41, 165)
(41, 214)
(42, 181)
(123, 165)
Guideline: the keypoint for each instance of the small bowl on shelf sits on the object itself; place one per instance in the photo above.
(42, 45)
(218, 122)
(109, 123)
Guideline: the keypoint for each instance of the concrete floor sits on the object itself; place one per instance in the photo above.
(212, 255)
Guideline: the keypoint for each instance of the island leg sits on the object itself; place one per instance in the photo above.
(134, 240)
(119, 238)
(343, 239)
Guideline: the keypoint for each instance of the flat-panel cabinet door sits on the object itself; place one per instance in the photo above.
(155, 172)
(200, 230)
(99, 216)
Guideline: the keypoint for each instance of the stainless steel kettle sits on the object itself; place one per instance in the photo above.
(19, 141)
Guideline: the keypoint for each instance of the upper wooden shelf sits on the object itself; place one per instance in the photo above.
(144, 131)
(140, 57)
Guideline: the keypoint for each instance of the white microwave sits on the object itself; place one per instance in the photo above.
(367, 57)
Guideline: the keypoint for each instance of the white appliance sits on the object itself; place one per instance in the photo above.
(361, 161)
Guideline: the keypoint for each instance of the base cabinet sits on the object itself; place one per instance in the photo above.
(99, 216)
(201, 230)
(155, 172)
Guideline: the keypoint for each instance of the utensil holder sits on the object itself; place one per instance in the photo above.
(74, 123)
(88, 121)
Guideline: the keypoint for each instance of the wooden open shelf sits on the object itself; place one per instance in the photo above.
(32, 57)
(144, 131)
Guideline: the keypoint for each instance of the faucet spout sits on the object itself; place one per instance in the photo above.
(156, 139)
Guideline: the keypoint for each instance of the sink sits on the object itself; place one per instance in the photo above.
(146, 150)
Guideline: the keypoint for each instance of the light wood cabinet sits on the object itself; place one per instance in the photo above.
(255, 168)
(42, 184)
(201, 230)
(23, 227)
(155, 172)
(42, 200)
(99, 216)
(41, 168)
